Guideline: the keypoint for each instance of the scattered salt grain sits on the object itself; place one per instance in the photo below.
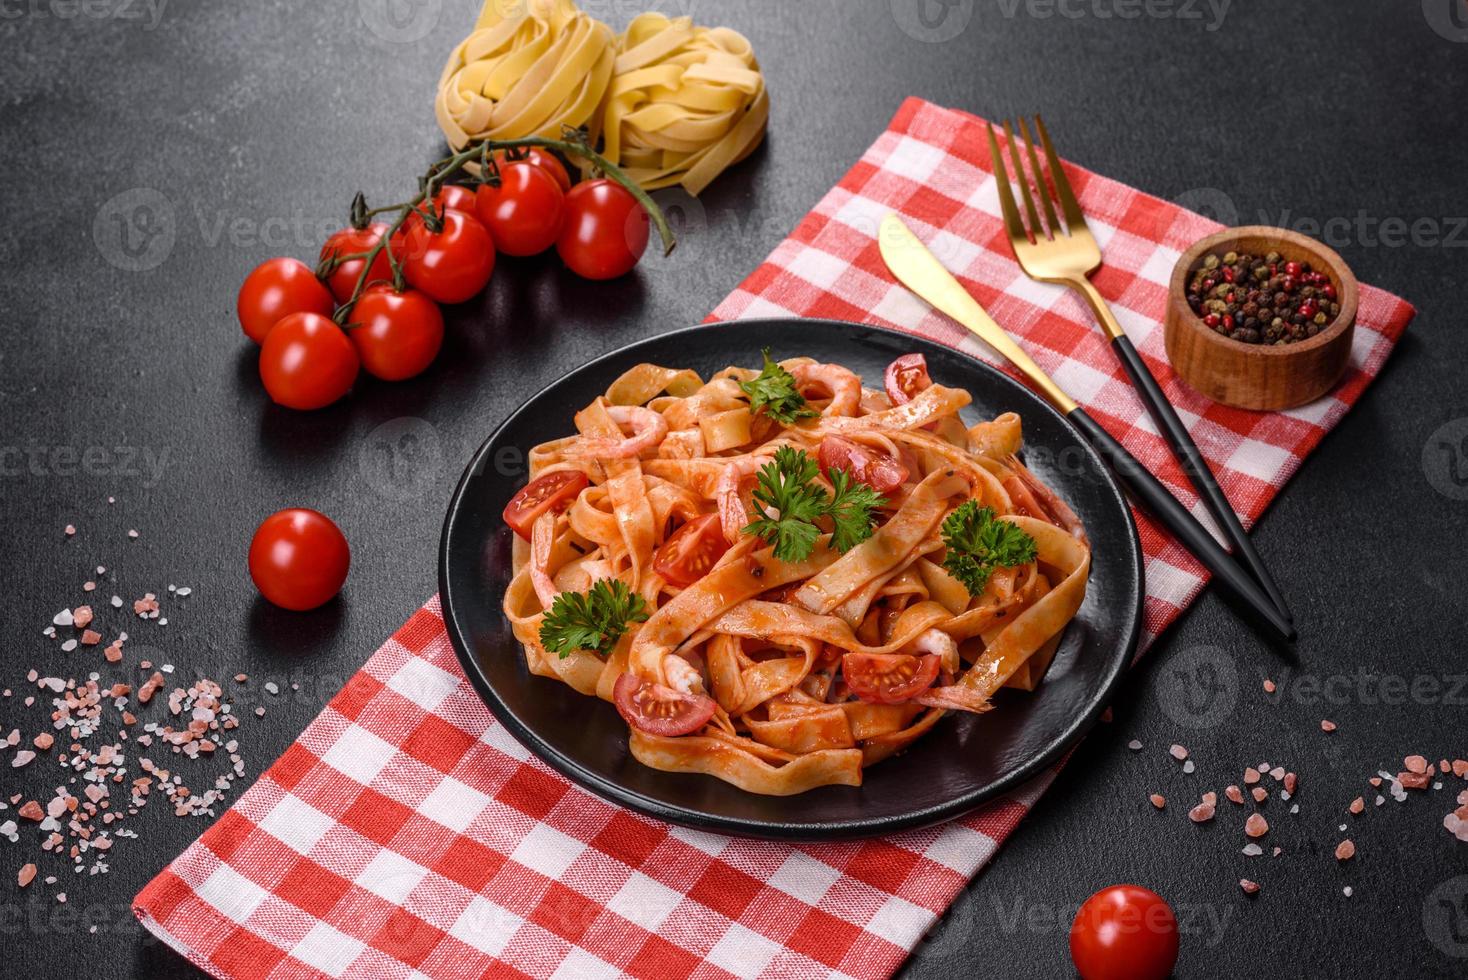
(70, 530)
(1268, 686)
(1345, 850)
(1326, 725)
(1178, 752)
(1256, 825)
(1252, 850)
(1249, 887)
(1346, 891)
(132, 533)
(1158, 800)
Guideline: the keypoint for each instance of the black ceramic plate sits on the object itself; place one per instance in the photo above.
(963, 762)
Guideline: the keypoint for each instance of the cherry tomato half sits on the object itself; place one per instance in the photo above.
(881, 472)
(905, 377)
(888, 678)
(456, 197)
(554, 491)
(350, 241)
(451, 265)
(397, 335)
(275, 289)
(659, 710)
(605, 232)
(523, 212)
(1125, 932)
(299, 558)
(536, 157)
(307, 362)
(687, 556)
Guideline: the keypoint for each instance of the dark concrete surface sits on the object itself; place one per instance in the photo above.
(154, 152)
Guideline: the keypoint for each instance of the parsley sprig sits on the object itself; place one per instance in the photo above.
(785, 485)
(978, 542)
(773, 392)
(593, 620)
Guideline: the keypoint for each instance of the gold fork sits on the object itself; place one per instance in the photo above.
(1066, 255)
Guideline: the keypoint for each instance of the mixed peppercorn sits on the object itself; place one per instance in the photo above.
(1262, 299)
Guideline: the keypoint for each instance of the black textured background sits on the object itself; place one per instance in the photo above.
(219, 133)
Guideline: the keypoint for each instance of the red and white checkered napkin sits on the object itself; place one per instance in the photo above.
(406, 834)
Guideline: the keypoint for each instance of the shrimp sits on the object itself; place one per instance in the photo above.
(648, 429)
(845, 387)
(936, 641)
(542, 539)
(732, 515)
(682, 676)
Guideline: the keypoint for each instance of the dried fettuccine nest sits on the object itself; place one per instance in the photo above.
(528, 69)
(685, 102)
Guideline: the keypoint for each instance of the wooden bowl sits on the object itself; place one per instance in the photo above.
(1263, 377)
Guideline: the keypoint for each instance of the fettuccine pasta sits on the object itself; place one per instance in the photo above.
(782, 665)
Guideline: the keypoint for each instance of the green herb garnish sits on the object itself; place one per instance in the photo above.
(978, 542)
(593, 620)
(785, 486)
(773, 392)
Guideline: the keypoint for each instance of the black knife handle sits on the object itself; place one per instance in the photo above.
(1154, 498)
(1195, 466)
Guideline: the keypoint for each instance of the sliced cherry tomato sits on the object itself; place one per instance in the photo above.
(536, 157)
(524, 211)
(350, 241)
(275, 289)
(554, 491)
(905, 377)
(888, 678)
(451, 265)
(659, 710)
(876, 469)
(299, 559)
(397, 335)
(455, 196)
(307, 362)
(692, 550)
(605, 232)
(1124, 932)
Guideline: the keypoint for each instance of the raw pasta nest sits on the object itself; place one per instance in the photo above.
(768, 640)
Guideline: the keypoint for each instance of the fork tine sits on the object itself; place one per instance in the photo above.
(1052, 222)
(1022, 180)
(1074, 217)
(1012, 222)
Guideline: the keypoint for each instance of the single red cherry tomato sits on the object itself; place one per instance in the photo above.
(659, 710)
(274, 290)
(554, 491)
(397, 335)
(605, 232)
(455, 196)
(350, 241)
(905, 377)
(536, 157)
(687, 556)
(881, 472)
(523, 212)
(888, 678)
(307, 362)
(451, 265)
(1124, 932)
(299, 559)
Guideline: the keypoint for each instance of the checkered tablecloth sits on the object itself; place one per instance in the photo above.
(406, 834)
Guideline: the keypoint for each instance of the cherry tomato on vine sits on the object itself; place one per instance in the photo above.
(299, 559)
(659, 710)
(455, 196)
(307, 362)
(888, 678)
(692, 550)
(350, 241)
(536, 157)
(605, 231)
(524, 211)
(275, 289)
(397, 335)
(1125, 932)
(554, 491)
(450, 265)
